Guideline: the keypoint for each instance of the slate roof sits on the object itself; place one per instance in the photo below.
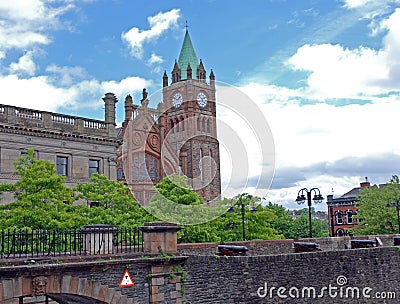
(355, 192)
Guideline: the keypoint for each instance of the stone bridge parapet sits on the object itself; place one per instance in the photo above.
(156, 276)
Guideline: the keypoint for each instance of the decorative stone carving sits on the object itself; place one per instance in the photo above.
(39, 286)
(154, 141)
(137, 139)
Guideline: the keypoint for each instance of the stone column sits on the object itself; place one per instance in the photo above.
(160, 237)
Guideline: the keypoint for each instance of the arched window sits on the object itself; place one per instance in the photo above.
(211, 166)
(201, 164)
(209, 125)
(152, 167)
(339, 217)
(340, 232)
(177, 124)
(349, 217)
(199, 123)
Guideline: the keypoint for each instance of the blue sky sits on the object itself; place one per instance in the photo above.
(325, 74)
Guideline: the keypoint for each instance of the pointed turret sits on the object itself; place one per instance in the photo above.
(201, 72)
(176, 73)
(189, 72)
(165, 79)
(187, 56)
(212, 78)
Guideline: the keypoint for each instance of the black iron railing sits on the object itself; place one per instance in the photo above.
(91, 240)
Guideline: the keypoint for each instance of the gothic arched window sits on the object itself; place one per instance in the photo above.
(339, 217)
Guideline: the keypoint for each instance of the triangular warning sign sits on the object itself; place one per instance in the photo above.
(126, 280)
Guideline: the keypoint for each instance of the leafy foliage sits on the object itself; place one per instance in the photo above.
(175, 201)
(373, 212)
(43, 201)
(228, 227)
(175, 188)
(106, 193)
(39, 182)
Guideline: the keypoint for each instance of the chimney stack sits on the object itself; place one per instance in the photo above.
(365, 184)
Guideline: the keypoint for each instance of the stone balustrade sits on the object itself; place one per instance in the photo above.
(48, 120)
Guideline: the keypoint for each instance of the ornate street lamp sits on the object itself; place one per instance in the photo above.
(301, 198)
(242, 198)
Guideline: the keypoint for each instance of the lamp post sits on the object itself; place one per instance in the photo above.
(397, 205)
(301, 198)
(241, 199)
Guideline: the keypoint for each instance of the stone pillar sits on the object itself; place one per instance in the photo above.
(166, 282)
(160, 237)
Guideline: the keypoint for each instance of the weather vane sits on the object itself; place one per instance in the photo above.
(186, 26)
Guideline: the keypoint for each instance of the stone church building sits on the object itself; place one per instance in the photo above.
(178, 136)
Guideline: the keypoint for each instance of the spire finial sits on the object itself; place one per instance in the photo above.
(186, 26)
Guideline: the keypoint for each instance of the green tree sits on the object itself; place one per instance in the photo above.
(175, 201)
(176, 189)
(43, 202)
(374, 214)
(40, 194)
(39, 182)
(116, 204)
(284, 223)
(228, 226)
(301, 228)
(106, 193)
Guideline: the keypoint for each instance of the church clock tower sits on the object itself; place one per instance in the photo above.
(190, 122)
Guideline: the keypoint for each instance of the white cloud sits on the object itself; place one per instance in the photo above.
(125, 86)
(312, 133)
(42, 93)
(25, 23)
(319, 144)
(337, 72)
(155, 59)
(336, 143)
(340, 73)
(356, 3)
(25, 65)
(372, 10)
(155, 63)
(351, 4)
(136, 38)
(66, 76)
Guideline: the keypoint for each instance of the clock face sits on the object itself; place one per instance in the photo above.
(177, 100)
(201, 99)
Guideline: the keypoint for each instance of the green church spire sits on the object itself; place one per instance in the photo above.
(188, 56)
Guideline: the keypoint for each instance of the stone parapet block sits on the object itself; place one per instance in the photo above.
(160, 237)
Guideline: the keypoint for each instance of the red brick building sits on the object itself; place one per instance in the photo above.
(342, 211)
(178, 136)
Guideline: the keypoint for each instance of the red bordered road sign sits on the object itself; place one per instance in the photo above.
(126, 280)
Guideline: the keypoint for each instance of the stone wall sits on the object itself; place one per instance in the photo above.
(156, 274)
(335, 276)
(157, 280)
(279, 246)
